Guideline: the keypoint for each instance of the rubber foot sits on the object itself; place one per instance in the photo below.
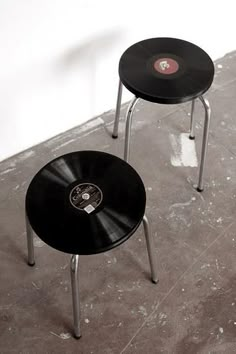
(114, 136)
(77, 337)
(155, 281)
(191, 137)
(31, 264)
(200, 189)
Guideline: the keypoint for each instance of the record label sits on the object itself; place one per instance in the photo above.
(86, 196)
(166, 66)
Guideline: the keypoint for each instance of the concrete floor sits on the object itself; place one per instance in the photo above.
(193, 307)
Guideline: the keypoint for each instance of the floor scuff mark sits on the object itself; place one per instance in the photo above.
(184, 151)
(62, 335)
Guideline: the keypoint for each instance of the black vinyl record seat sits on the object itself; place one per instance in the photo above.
(144, 70)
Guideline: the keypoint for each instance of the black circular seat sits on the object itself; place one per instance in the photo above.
(112, 208)
(166, 70)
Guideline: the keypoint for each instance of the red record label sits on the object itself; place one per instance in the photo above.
(166, 66)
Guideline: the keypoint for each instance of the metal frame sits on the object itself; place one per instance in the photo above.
(74, 269)
(191, 135)
(129, 115)
(117, 117)
(74, 266)
(30, 243)
(150, 250)
(207, 109)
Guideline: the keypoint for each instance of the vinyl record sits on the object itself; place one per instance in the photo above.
(85, 202)
(166, 70)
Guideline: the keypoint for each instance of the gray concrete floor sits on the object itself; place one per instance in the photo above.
(192, 308)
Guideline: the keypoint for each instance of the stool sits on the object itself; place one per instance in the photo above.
(84, 203)
(167, 71)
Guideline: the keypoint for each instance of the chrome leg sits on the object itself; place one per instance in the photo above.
(150, 249)
(191, 135)
(117, 114)
(207, 108)
(30, 244)
(128, 127)
(74, 265)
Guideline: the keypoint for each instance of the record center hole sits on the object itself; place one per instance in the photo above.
(85, 196)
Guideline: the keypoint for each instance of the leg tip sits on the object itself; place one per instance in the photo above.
(199, 189)
(155, 281)
(114, 136)
(77, 336)
(31, 264)
(191, 137)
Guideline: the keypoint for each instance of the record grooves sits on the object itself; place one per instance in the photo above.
(166, 70)
(85, 202)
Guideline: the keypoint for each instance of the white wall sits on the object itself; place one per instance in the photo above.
(59, 58)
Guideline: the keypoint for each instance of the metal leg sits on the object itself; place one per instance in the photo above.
(74, 265)
(30, 244)
(128, 127)
(191, 135)
(207, 108)
(150, 249)
(117, 114)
